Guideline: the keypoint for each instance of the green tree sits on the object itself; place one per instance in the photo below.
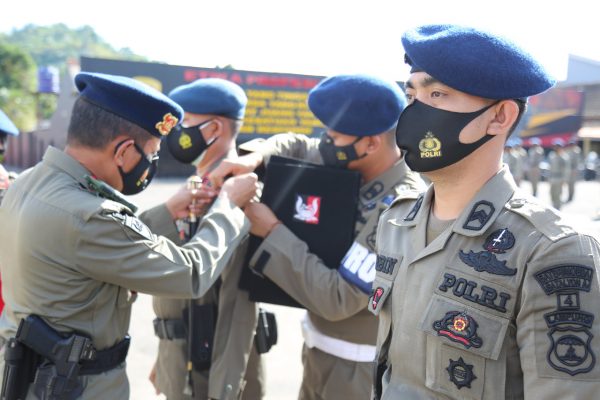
(55, 44)
(17, 85)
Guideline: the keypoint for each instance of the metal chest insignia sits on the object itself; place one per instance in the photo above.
(459, 327)
(486, 261)
(461, 373)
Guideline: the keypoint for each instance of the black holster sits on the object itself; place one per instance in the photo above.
(201, 333)
(19, 370)
(266, 331)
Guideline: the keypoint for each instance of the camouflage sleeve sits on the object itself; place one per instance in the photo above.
(290, 144)
(557, 331)
(120, 249)
(306, 278)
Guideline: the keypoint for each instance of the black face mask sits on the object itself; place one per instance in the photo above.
(428, 136)
(188, 144)
(337, 156)
(133, 181)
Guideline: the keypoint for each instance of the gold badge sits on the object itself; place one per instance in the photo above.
(185, 141)
(430, 146)
(168, 122)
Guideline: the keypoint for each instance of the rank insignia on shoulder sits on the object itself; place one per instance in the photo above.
(415, 210)
(480, 214)
(461, 373)
(459, 327)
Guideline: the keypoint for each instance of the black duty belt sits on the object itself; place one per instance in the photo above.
(169, 328)
(106, 359)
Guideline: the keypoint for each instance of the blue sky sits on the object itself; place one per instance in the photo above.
(312, 37)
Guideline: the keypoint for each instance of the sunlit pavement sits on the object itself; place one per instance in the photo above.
(283, 366)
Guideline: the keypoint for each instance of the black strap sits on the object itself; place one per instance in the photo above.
(106, 359)
(169, 328)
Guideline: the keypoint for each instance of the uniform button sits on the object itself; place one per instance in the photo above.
(517, 203)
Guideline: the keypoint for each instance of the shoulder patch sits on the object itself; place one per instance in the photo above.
(546, 220)
(132, 222)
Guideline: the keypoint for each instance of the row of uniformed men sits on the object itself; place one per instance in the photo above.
(481, 291)
(565, 162)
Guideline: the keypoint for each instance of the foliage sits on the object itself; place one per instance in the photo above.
(23, 50)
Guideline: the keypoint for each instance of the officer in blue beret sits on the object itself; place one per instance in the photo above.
(360, 113)
(74, 266)
(213, 116)
(492, 294)
(7, 128)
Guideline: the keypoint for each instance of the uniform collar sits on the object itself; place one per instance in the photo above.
(479, 214)
(484, 208)
(64, 162)
(374, 190)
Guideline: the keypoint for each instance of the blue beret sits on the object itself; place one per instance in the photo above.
(535, 141)
(475, 62)
(358, 105)
(211, 96)
(131, 100)
(558, 142)
(7, 126)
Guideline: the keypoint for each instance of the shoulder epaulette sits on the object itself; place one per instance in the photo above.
(106, 191)
(546, 220)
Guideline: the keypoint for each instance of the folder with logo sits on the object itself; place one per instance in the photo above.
(318, 204)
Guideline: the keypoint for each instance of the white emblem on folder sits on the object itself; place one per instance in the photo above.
(307, 208)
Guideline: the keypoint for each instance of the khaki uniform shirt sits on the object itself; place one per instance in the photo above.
(501, 305)
(534, 158)
(234, 331)
(559, 167)
(336, 301)
(75, 259)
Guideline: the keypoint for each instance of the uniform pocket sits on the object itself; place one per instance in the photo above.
(462, 343)
(125, 297)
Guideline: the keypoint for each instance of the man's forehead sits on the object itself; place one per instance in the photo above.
(421, 80)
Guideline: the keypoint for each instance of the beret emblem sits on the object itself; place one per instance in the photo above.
(168, 122)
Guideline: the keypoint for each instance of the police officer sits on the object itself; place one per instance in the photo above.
(360, 114)
(7, 128)
(520, 156)
(79, 255)
(575, 158)
(489, 293)
(535, 156)
(213, 113)
(559, 172)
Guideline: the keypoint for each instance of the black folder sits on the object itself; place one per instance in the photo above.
(318, 204)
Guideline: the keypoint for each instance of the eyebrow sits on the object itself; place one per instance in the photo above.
(425, 82)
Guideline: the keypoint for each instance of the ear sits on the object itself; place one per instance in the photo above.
(119, 146)
(507, 112)
(374, 143)
(215, 129)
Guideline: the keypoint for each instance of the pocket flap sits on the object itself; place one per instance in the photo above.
(465, 327)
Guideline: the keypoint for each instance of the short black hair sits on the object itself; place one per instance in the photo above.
(522, 103)
(92, 126)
